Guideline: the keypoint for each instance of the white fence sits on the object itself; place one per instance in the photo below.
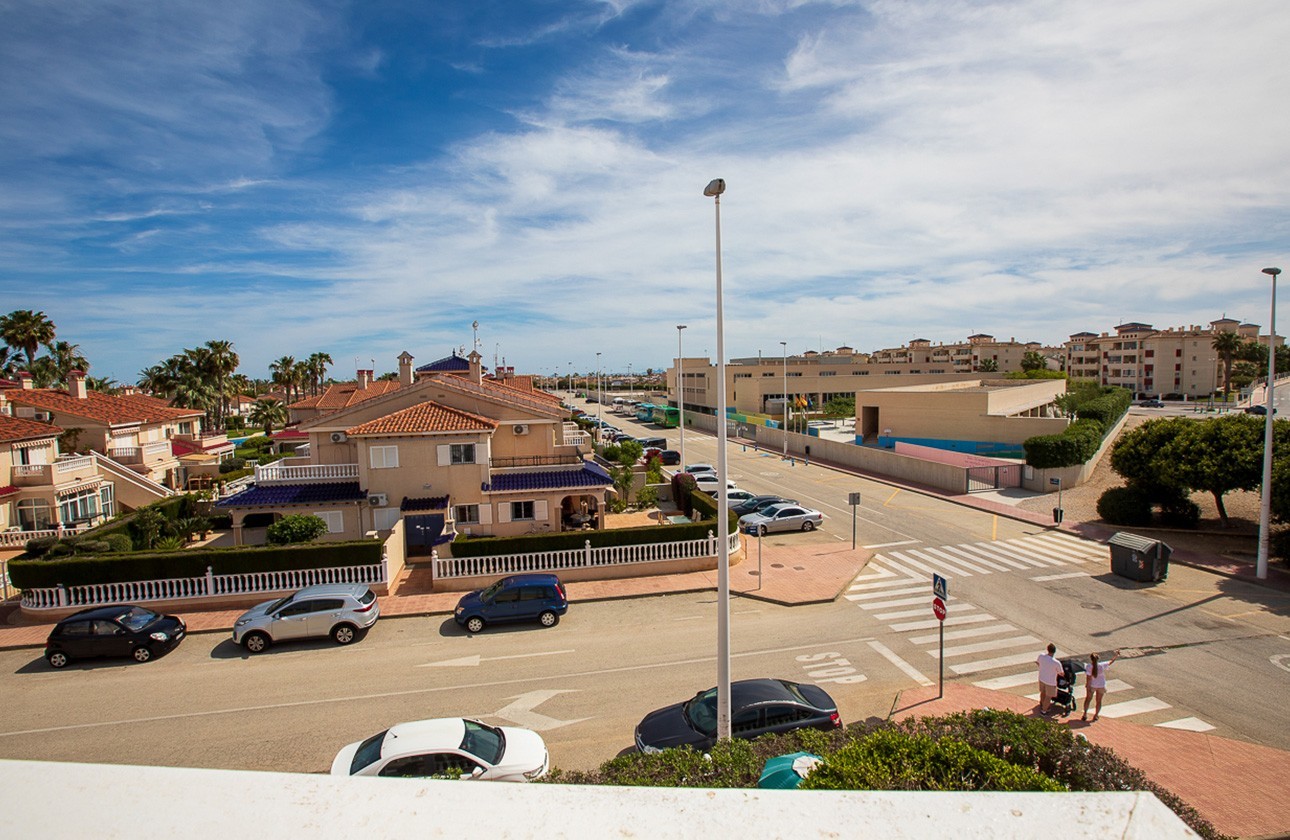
(209, 585)
(577, 558)
(18, 539)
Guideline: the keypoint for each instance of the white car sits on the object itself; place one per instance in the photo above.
(456, 748)
(697, 469)
(736, 496)
(783, 517)
(709, 482)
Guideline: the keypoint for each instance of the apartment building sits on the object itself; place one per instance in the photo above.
(448, 452)
(1179, 361)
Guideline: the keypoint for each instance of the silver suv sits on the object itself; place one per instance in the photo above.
(338, 610)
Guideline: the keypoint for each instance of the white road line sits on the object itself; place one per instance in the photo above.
(982, 647)
(1091, 549)
(950, 621)
(998, 547)
(928, 557)
(896, 567)
(941, 552)
(1134, 707)
(889, 545)
(1010, 681)
(1023, 563)
(1043, 578)
(1007, 561)
(1112, 686)
(1190, 724)
(885, 584)
(973, 633)
(909, 670)
(894, 593)
(904, 558)
(925, 598)
(1047, 549)
(906, 613)
(991, 664)
(878, 573)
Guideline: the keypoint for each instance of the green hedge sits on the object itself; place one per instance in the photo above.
(117, 568)
(1081, 439)
(529, 543)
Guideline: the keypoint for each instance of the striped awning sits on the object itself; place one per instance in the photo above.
(9, 490)
(28, 444)
(73, 489)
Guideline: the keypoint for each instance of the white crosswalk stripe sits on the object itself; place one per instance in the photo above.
(982, 647)
(920, 562)
(1053, 549)
(887, 593)
(1007, 562)
(971, 633)
(977, 567)
(942, 553)
(925, 599)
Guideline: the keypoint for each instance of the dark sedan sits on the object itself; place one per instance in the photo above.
(121, 630)
(757, 707)
(758, 503)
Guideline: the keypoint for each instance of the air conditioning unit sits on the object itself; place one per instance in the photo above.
(377, 499)
(520, 428)
(43, 416)
(338, 437)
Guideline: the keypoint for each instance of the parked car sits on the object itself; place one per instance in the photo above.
(464, 748)
(1261, 410)
(757, 707)
(670, 457)
(655, 442)
(536, 597)
(734, 496)
(119, 630)
(696, 469)
(781, 517)
(1152, 404)
(760, 502)
(709, 482)
(338, 610)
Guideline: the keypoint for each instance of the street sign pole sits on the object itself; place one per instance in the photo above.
(940, 594)
(940, 692)
(854, 500)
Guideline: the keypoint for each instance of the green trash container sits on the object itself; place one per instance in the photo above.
(1139, 558)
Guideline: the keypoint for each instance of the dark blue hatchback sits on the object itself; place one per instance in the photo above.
(538, 598)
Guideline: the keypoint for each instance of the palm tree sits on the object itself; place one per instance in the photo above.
(1033, 360)
(1227, 344)
(988, 366)
(25, 330)
(285, 374)
(223, 361)
(67, 358)
(152, 380)
(317, 368)
(267, 413)
(105, 384)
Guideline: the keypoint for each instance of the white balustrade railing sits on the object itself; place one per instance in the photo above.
(276, 473)
(80, 462)
(577, 558)
(209, 585)
(29, 470)
(576, 440)
(18, 539)
(158, 447)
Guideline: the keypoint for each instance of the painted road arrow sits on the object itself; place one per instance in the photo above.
(475, 660)
(521, 711)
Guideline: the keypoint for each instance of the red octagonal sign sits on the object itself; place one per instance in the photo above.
(938, 607)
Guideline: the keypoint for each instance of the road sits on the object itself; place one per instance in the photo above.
(1200, 651)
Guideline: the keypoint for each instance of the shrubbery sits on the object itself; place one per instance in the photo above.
(1097, 410)
(1125, 506)
(296, 528)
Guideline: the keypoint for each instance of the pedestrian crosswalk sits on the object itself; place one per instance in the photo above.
(894, 589)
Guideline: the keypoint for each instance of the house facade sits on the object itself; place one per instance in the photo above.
(447, 452)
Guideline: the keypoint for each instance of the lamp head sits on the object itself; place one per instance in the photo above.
(1272, 272)
(681, 326)
(715, 187)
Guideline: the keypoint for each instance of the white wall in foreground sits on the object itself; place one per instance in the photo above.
(55, 800)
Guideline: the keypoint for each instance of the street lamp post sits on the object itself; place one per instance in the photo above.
(680, 391)
(600, 401)
(714, 189)
(1265, 493)
(570, 381)
(784, 344)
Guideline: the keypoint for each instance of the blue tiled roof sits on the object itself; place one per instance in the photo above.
(429, 503)
(295, 494)
(448, 364)
(591, 475)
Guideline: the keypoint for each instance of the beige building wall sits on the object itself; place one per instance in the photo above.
(998, 411)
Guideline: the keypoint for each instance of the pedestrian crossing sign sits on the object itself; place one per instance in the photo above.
(940, 587)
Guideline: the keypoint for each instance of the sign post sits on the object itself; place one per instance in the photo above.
(1057, 511)
(940, 593)
(854, 500)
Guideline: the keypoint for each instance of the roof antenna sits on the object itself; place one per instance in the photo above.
(474, 326)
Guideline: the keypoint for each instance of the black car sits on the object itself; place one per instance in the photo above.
(758, 503)
(757, 707)
(121, 630)
(1260, 410)
(669, 457)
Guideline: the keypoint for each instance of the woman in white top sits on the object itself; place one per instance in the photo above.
(1095, 683)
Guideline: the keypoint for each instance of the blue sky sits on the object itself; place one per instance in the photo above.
(371, 177)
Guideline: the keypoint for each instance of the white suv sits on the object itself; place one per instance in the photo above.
(338, 610)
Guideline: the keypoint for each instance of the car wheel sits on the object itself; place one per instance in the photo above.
(255, 642)
(474, 624)
(343, 634)
(808, 525)
(548, 618)
(57, 659)
(142, 653)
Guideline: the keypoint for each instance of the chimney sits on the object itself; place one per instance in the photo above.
(405, 369)
(25, 378)
(76, 384)
(4, 405)
(476, 369)
(364, 379)
(129, 390)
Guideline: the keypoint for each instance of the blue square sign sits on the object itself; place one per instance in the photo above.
(940, 587)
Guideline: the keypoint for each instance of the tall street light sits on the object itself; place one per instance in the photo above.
(600, 400)
(714, 189)
(680, 391)
(784, 344)
(1265, 493)
(570, 381)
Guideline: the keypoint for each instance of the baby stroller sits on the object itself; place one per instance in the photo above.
(1065, 698)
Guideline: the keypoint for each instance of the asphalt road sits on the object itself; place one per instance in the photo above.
(1199, 651)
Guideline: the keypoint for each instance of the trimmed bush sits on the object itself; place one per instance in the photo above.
(232, 465)
(118, 542)
(40, 546)
(1125, 506)
(296, 528)
(1180, 513)
(1072, 447)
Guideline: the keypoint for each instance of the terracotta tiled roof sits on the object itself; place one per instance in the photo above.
(8, 490)
(488, 388)
(19, 428)
(345, 394)
(524, 385)
(424, 417)
(102, 408)
(290, 434)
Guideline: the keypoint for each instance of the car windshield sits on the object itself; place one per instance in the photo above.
(137, 618)
(278, 604)
(487, 594)
(368, 752)
(701, 712)
(771, 510)
(484, 741)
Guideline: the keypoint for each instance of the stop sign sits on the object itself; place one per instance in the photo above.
(938, 608)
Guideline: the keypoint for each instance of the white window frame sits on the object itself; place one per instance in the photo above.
(384, 519)
(512, 507)
(458, 452)
(471, 518)
(335, 520)
(389, 457)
